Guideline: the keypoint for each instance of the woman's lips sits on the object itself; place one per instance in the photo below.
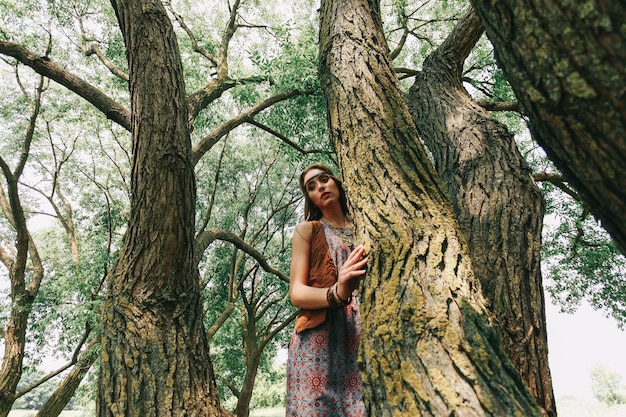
(325, 195)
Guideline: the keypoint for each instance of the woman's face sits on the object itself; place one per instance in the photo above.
(321, 188)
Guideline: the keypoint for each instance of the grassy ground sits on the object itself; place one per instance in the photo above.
(268, 412)
(566, 407)
(571, 407)
(31, 413)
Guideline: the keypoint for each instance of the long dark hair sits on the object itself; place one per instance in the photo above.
(311, 212)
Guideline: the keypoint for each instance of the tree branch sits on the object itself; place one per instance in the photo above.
(460, 42)
(212, 138)
(233, 389)
(72, 362)
(405, 35)
(200, 99)
(210, 235)
(194, 42)
(284, 138)
(559, 181)
(95, 49)
(44, 66)
(405, 72)
(499, 106)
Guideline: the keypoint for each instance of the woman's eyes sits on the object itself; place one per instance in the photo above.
(322, 179)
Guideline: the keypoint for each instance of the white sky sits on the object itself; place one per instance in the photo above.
(577, 342)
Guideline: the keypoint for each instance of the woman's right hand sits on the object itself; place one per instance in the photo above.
(353, 267)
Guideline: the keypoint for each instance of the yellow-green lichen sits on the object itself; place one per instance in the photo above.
(480, 348)
(535, 95)
(579, 87)
(444, 386)
(586, 9)
(410, 375)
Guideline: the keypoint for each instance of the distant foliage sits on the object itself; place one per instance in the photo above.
(35, 399)
(607, 387)
(269, 390)
(583, 264)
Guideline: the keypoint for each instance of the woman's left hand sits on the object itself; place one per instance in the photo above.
(353, 267)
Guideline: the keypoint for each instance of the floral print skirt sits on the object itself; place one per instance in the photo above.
(322, 373)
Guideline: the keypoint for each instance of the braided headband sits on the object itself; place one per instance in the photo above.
(317, 175)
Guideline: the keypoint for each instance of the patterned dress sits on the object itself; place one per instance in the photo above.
(322, 373)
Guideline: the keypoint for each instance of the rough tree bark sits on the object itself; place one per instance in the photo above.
(499, 207)
(566, 62)
(427, 346)
(155, 355)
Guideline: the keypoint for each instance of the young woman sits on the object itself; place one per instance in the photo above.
(322, 374)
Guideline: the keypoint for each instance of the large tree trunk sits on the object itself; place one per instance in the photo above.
(427, 346)
(499, 207)
(14, 336)
(566, 62)
(155, 356)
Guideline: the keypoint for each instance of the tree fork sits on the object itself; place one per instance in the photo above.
(427, 346)
(483, 172)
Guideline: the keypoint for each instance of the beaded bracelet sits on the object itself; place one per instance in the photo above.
(333, 299)
(340, 302)
(330, 297)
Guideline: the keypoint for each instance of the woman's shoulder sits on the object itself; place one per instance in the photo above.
(306, 229)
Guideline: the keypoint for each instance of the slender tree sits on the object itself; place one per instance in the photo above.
(566, 63)
(22, 260)
(427, 346)
(483, 172)
(239, 277)
(62, 395)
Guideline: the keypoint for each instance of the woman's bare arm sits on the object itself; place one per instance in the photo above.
(303, 295)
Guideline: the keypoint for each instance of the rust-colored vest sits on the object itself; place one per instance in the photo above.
(322, 274)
